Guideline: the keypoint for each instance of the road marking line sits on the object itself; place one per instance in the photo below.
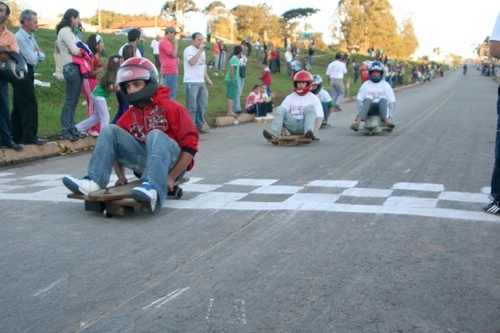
(418, 187)
(164, 300)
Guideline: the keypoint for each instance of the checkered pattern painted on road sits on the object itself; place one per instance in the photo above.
(344, 196)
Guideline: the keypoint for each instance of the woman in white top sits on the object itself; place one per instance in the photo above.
(66, 40)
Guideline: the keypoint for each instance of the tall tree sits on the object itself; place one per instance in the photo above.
(171, 8)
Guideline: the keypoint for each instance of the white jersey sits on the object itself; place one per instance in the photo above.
(155, 46)
(195, 73)
(324, 96)
(295, 104)
(376, 91)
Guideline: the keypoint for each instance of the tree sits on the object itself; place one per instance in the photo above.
(171, 8)
(15, 12)
(298, 13)
(369, 23)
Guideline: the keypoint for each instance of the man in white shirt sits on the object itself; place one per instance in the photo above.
(134, 36)
(299, 110)
(195, 75)
(155, 48)
(335, 71)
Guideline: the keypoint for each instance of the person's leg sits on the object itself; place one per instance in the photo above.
(162, 155)
(495, 178)
(74, 81)
(115, 144)
(339, 88)
(309, 121)
(237, 102)
(202, 101)
(5, 122)
(191, 91)
(170, 80)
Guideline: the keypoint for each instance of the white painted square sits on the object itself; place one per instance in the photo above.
(464, 197)
(419, 187)
(199, 187)
(6, 180)
(6, 188)
(6, 174)
(48, 183)
(313, 198)
(278, 189)
(333, 183)
(410, 202)
(486, 190)
(367, 192)
(252, 182)
(219, 196)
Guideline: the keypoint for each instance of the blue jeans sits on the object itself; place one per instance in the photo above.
(5, 124)
(237, 102)
(74, 82)
(495, 178)
(196, 101)
(283, 118)
(170, 80)
(153, 160)
(325, 111)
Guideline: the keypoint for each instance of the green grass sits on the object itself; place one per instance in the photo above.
(50, 100)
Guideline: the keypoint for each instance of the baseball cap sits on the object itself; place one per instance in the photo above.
(170, 29)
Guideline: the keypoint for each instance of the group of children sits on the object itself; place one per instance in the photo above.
(259, 102)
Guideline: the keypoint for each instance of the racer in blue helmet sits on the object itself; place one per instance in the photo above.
(375, 97)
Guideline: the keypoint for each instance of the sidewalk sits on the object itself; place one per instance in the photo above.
(50, 149)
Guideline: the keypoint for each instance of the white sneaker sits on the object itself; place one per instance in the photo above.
(145, 193)
(269, 116)
(84, 185)
(94, 134)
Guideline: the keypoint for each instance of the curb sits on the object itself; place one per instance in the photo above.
(50, 149)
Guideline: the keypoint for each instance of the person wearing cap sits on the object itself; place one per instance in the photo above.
(169, 61)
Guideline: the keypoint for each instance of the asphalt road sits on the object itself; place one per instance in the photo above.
(353, 233)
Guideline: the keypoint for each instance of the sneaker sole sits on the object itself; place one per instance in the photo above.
(72, 186)
(140, 196)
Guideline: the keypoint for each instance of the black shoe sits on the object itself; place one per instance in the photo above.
(13, 145)
(37, 141)
(309, 134)
(68, 136)
(78, 134)
(493, 208)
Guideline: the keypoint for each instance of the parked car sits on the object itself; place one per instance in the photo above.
(125, 31)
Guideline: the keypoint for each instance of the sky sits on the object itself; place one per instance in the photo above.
(453, 27)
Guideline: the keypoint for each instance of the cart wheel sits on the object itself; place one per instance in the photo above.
(107, 214)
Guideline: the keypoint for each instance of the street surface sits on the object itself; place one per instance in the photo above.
(353, 233)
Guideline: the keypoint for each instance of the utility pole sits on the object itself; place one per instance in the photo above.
(99, 26)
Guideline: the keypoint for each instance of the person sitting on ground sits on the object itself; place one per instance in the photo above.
(155, 138)
(299, 110)
(375, 97)
(267, 100)
(255, 103)
(324, 97)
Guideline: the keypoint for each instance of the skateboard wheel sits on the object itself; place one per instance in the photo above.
(178, 193)
(105, 213)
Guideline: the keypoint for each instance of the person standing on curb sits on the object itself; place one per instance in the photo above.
(195, 75)
(241, 78)
(494, 206)
(8, 43)
(170, 61)
(24, 115)
(335, 72)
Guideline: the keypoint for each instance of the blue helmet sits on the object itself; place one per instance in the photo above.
(376, 66)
